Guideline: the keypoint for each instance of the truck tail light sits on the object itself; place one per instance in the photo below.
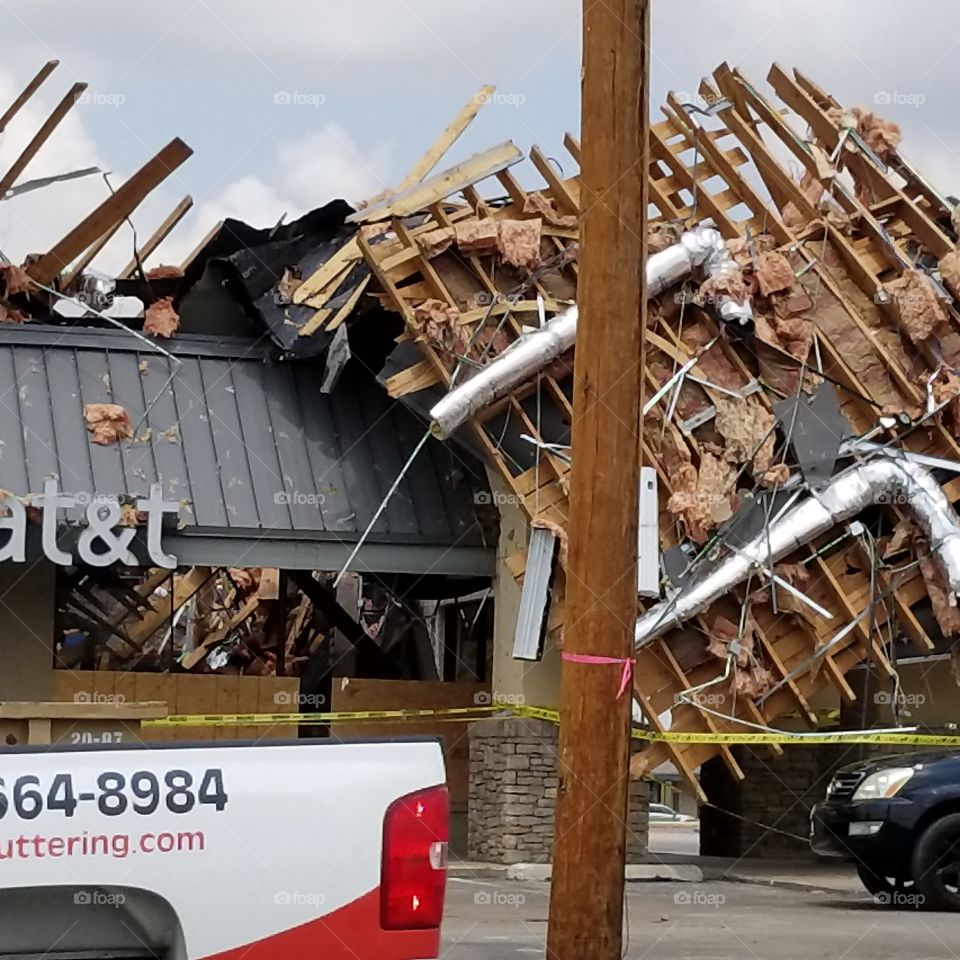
(413, 873)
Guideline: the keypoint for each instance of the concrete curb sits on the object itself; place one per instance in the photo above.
(645, 873)
(808, 886)
(635, 873)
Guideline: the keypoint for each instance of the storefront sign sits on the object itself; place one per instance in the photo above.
(102, 542)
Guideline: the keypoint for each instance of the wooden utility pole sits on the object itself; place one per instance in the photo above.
(586, 901)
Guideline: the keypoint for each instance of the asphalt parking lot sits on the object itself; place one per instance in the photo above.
(493, 920)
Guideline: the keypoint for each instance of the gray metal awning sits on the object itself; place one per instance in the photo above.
(269, 471)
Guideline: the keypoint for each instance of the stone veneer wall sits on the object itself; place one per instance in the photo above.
(513, 792)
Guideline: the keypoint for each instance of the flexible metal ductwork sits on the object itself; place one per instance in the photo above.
(906, 484)
(702, 247)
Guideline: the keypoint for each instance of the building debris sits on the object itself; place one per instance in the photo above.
(161, 320)
(917, 304)
(107, 422)
(786, 397)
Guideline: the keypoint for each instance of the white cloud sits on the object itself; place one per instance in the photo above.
(37, 220)
(307, 172)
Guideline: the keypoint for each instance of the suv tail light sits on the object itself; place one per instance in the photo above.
(413, 873)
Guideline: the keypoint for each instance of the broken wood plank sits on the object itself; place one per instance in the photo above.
(447, 139)
(118, 205)
(192, 255)
(435, 189)
(40, 138)
(349, 306)
(194, 657)
(418, 377)
(158, 236)
(163, 608)
(337, 266)
(28, 91)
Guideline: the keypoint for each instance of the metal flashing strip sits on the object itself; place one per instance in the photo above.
(648, 536)
(423, 560)
(535, 596)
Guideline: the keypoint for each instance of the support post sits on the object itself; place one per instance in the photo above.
(586, 901)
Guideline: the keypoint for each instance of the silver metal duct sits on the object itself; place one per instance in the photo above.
(702, 247)
(899, 482)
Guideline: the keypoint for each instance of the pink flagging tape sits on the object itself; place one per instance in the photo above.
(625, 662)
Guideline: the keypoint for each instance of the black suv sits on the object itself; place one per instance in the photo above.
(898, 819)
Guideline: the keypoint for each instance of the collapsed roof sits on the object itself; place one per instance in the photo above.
(823, 341)
(816, 338)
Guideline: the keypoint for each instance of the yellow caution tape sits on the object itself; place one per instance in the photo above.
(467, 714)
(459, 714)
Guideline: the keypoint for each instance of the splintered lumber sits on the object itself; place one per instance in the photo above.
(192, 255)
(28, 91)
(118, 205)
(163, 608)
(447, 139)
(158, 236)
(88, 257)
(349, 306)
(418, 377)
(586, 896)
(218, 636)
(40, 138)
(444, 184)
(335, 269)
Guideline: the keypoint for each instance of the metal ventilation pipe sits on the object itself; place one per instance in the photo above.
(702, 247)
(879, 481)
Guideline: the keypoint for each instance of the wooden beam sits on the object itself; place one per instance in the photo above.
(218, 636)
(28, 91)
(586, 897)
(118, 205)
(184, 587)
(192, 255)
(88, 257)
(336, 268)
(158, 235)
(40, 138)
(447, 139)
(444, 184)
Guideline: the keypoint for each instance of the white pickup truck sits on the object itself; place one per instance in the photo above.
(284, 851)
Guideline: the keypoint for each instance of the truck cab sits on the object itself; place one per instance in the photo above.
(300, 850)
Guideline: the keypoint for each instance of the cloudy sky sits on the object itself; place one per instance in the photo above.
(290, 103)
